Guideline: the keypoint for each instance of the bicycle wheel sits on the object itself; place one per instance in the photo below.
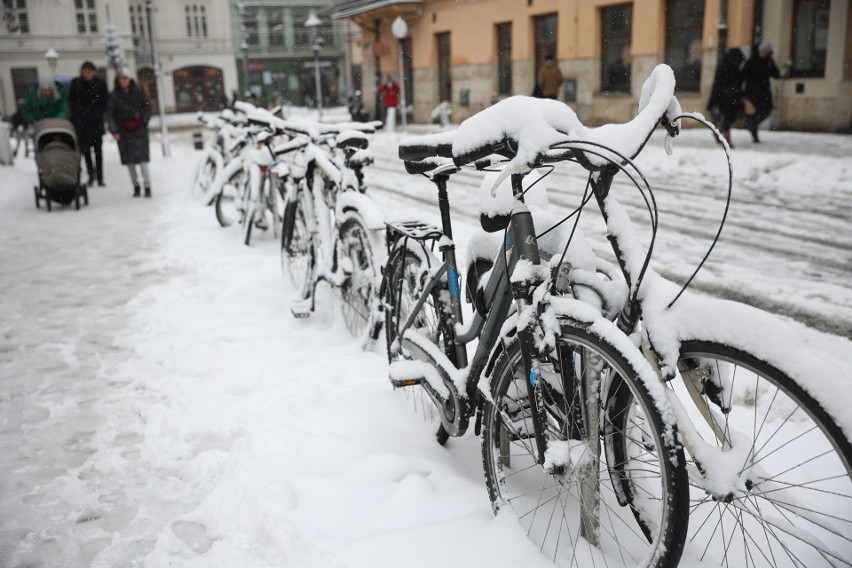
(203, 178)
(788, 501)
(229, 202)
(355, 257)
(406, 276)
(297, 253)
(624, 506)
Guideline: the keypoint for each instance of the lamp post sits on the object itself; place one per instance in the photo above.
(722, 31)
(400, 30)
(314, 23)
(158, 73)
(244, 47)
(52, 57)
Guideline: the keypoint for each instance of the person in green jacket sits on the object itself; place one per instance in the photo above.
(46, 100)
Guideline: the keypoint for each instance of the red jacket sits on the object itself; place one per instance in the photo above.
(391, 94)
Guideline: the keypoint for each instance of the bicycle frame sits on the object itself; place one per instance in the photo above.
(520, 244)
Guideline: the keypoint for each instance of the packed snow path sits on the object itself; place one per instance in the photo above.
(159, 406)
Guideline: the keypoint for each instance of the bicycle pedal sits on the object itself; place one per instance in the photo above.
(301, 308)
(405, 374)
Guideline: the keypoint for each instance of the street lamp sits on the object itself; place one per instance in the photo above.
(400, 30)
(244, 47)
(314, 23)
(158, 75)
(52, 57)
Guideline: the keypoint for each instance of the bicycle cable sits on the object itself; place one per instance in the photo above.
(650, 200)
(700, 119)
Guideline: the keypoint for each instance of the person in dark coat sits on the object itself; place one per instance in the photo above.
(128, 113)
(550, 78)
(19, 129)
(726, 96)
(756, 73)
(87, 100)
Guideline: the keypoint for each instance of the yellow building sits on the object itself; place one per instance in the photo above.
(473, 52)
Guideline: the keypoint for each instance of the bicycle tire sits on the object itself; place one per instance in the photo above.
(356, 248)
(404, 276)
(229, 199)
(248, 222)
(204, 176)
(297, 253)
(803, 458)
(603, 532)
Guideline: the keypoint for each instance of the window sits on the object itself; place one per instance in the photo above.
(87, 17)
(504, 59)
(545, 38)
(301, 34)
(196, 20)
(251, 33)
(810, 37)
(137, 20)
(304, 37)
(616, 26)
(408, 70)
(22, 80)
(276, 28)
(15, 16)
(684, 24)
(445, 80)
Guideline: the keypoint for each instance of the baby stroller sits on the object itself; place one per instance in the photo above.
(58, 160)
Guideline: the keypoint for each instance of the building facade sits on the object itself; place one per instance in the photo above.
(475, 52)
(193, 39)
(279, 49)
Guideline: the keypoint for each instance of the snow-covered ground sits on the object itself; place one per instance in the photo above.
(159, 406)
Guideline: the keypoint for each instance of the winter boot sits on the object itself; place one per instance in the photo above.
(147, 191)
(136, 191)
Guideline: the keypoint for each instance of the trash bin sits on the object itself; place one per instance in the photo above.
(5, 144)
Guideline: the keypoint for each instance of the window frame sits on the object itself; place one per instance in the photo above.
(695, 31)
(503, 37)
(794, 31)
(444, 52)
(18, 17)
(86, 17)
(606, 39)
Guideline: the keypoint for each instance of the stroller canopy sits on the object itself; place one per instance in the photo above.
(55, 129)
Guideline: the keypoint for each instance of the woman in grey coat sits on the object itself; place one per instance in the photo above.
(128, 113)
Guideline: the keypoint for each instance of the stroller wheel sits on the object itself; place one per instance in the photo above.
(37, 200)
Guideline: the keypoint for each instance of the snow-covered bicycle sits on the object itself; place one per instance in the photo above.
(767, 447)
(552, 386)
(216, 154)
(331, 231)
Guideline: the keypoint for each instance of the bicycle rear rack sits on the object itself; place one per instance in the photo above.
(417, 230)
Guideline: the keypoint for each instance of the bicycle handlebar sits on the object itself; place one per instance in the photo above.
(523, 129)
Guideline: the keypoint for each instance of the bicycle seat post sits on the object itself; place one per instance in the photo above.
(448, 249)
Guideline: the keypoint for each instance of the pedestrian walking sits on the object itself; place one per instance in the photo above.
(87, 100)
(128, 112)
(550, 78)
(758, 93)
(20, 129)
(390, 97)
(46, 100)
(725, 103)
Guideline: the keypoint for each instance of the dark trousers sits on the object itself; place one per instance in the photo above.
(98, 166)
(754, 120)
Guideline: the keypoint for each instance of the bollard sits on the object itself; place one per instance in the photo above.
(197, 141)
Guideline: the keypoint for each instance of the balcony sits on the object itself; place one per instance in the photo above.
(347, 8)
